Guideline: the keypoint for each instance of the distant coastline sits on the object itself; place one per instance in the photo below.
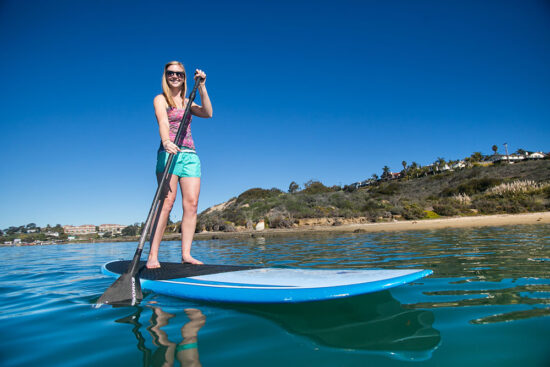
(496, 220)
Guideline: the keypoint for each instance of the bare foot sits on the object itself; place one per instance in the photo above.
(191, 260)
(152, 264)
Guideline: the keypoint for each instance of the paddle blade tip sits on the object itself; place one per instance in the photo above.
(126, 290)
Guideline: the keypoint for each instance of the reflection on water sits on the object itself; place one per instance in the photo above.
(372, 322)
(186, 352)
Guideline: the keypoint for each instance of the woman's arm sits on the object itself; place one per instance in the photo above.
(206, 109)
(164, 126)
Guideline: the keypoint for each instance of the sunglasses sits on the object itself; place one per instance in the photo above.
(179, 74)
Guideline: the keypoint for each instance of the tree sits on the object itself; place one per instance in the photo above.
(495, 149)
(404, 164)
(386, 173)
(374, 177)
(521, 152)
(129, 231)
(413, 169)
(315, 187)
(293, 187)
(31, 226)
(58, 229)
(11, 230)
(476, 157)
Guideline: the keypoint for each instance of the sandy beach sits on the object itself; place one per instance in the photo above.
(395, 226)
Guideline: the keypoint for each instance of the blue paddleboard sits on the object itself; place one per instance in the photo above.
(247, 284)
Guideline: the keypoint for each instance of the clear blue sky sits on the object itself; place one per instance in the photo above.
(301, 90)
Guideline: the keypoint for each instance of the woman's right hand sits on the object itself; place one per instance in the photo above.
(170, 147)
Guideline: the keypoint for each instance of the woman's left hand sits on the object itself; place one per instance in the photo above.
(201, 74)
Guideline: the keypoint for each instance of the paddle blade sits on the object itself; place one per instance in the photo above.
(126, 290)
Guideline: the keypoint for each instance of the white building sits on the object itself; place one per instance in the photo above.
(83, 229)
(113, 228)
(536, 155)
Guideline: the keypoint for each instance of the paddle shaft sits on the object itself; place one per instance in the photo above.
(182, 130)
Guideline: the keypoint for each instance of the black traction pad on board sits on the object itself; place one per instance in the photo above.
(174, 270)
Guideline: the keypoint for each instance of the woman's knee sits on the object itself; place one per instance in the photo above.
(190, 205)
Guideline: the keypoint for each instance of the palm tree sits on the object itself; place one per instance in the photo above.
(440, 162)
(386, 173)
(495, 149)
(413, 168)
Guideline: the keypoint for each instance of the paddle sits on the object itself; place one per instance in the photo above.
(127, 288)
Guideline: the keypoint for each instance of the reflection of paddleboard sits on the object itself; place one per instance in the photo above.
(247, 284)
(376, 323)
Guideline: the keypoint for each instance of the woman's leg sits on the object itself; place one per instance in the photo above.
(190, 189)
(166, 206)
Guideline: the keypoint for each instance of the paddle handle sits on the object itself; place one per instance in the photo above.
(182, 130)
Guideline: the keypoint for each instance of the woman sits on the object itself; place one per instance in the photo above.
(186, 168)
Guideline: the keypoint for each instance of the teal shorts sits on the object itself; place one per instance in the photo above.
(184, 164)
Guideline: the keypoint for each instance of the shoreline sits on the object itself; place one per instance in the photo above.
(495, 220)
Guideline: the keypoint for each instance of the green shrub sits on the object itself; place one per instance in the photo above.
(349, 188)
(341, 201)
(315, 187)
(412, 211)
(387, 189)
(495, 205)
(446, 209)
(430, 214)
(473, 186)
(371, 205)
(257, 194)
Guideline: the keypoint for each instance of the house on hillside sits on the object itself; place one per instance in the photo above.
(436, 168)
(506, 158)
(536, 155)
(395, 175)
(459, 165)
(365, 183)
(388, 176)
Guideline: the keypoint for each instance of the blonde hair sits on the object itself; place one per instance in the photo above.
(166, 89)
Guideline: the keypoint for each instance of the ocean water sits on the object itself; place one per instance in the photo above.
(487, 304)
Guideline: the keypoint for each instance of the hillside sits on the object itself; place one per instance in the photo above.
(506, 188)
